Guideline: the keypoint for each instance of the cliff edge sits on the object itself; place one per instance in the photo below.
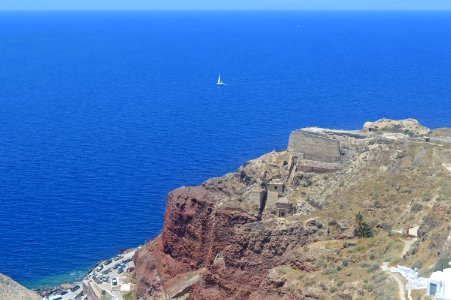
(284, 226)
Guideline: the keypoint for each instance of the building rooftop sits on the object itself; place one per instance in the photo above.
(276, 181)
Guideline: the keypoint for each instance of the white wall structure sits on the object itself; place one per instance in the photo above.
(438, 285)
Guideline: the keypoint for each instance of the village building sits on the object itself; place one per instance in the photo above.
(439, 284)
(284, 208)
(258, 195)
(276, 185)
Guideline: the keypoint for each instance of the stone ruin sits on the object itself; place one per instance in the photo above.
(314, 146)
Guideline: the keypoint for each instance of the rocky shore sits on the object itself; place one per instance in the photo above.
(99, 277)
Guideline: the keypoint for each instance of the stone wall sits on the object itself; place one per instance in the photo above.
(313, 146)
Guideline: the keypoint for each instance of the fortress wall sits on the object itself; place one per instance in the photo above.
(313, 146)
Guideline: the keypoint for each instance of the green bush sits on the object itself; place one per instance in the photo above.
(417, 264)
(442, 263)
(363, 229)
(373, 268)
(416, 207)
(128, 296)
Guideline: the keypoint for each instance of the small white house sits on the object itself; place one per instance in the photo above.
(439, 285)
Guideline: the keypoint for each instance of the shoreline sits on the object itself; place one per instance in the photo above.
(47, 291)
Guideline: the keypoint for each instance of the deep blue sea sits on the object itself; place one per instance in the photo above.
(103, 113)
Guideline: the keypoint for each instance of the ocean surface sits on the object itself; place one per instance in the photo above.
(103, 113)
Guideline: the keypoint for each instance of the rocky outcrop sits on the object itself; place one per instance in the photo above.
(224, 240)
(408, 126)
(11, 290)
(436, 229)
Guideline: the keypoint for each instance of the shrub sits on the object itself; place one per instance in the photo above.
(128, 296)
(363, 229)
(416, 207)
(378, 204)
(373, 268)
(373, 256)
(329, 271)
(320, 263)
(417, 264)
(442, 264)
(385, 226)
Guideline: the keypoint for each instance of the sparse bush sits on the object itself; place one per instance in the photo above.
(414, 248)
(128, 296)
(406, 190)
(320, 263)
(378, 204)
(417, 264)
(416, 207)
(372, 256)
(373, 268)
(442, 264)
(385, 226)
(426, 196)
(363, 229)
(329, 271)
(368, 287)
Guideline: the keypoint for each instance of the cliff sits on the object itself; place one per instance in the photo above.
(11, 290)
(282, 225)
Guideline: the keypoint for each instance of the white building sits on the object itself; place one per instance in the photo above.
(439, 285)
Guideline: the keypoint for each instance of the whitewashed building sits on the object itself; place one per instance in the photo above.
(438, 285)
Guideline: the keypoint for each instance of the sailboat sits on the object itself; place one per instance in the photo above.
(220, 83)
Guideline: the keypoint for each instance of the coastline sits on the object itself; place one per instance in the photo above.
(208, 228)
(47, 289)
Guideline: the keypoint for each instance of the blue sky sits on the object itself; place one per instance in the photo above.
(228, 4)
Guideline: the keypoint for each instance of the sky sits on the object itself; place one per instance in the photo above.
(226, 4)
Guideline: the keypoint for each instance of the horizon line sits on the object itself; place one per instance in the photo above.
(224, 9)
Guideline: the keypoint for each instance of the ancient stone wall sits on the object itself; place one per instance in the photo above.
(313, 146)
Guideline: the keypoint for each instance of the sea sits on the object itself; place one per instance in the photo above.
(103, 113)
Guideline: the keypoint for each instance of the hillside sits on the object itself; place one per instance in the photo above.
(11, 290)
(283, 226)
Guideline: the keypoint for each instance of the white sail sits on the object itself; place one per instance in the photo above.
(220, 81)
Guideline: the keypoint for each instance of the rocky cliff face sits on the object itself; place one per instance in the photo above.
(218, 242)
(11, 290)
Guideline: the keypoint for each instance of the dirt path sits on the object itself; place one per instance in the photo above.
(407, 245)
(401, 285)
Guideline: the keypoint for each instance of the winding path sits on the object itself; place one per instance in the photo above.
(401, 285)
